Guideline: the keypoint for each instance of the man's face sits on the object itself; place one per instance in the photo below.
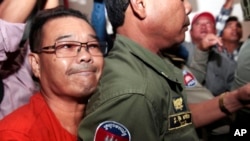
(232, 31)
(201, 27)
(68, 76)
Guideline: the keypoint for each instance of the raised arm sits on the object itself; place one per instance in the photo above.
(225, 12)
(198, 65)
(10, 10)
(51, 4)
(228, 4)
(18, 11)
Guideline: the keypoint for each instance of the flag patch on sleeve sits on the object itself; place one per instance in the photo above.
(189, 79)
(112, 131)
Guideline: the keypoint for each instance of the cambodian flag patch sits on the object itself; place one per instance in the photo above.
(189, 79)
(112, 131)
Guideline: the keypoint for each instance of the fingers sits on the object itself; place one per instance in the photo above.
(244, 94)
(210, 40)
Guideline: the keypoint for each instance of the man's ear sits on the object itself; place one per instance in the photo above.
(139, 8)
(35, 64)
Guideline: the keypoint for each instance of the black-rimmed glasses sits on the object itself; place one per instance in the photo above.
(64, 49)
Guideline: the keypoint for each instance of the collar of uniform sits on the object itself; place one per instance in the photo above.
(164, 68)
(176, 60)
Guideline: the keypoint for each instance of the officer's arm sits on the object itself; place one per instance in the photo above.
(131, 114)
(211, 110)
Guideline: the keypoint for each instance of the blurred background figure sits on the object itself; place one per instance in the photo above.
(100, 22)
(220, 68)
(231, 37)
(98, 19)
(15, 71)
(241, 119)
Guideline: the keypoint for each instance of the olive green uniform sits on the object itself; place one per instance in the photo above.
(141, 91)
(196, 92)
(242, 77)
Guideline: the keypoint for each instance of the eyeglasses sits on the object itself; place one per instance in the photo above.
(64, 49)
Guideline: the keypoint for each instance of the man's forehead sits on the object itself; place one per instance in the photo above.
(66, 36)
(204, 18)
(64, 22)
(234, 22)
(59, 29)
(67, 20)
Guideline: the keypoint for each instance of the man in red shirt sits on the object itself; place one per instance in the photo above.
(67, 59)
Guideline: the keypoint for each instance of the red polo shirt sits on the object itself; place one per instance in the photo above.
(33, 122)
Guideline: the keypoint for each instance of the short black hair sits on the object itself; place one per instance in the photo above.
(233, 18)
(42, 17)
(116, 12)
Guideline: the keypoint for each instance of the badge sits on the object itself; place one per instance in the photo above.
(178, 104)
(189, 79)
(112, 131)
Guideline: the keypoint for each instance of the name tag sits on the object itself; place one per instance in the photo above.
(179, 120)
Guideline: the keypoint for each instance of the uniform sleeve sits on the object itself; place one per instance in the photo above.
(130, 112)
(13, 136)
(242, 76)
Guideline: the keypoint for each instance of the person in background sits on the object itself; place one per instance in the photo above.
(15, 71)
(231, 36)
(224, 14)
(67, 59)
(98, 19)
(220, 66)
(222, 63)
(202, 24)
(100, 22)
(141, 95)
(218, 73)
(219, 23)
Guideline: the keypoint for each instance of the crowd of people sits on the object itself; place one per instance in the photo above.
(59, 83)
